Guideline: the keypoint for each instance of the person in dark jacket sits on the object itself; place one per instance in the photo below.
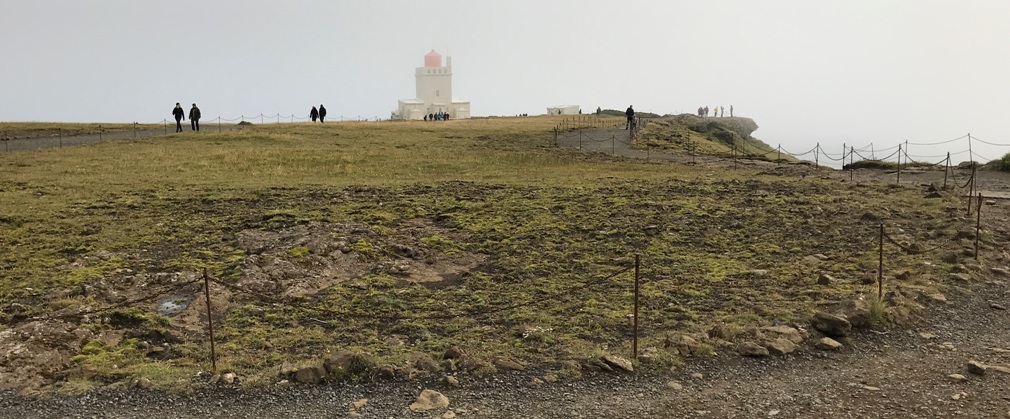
(194, 117)
(630, 113)
(313, 114)
(179, 116)
(322, 113)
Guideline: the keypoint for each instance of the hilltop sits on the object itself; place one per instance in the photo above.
(687, 133)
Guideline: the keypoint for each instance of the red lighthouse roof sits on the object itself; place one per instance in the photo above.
(433, 59)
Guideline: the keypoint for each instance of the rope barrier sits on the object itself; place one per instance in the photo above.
(163, 291)
(986, 142)
(797, 155)
(941, 142)
(914, 251)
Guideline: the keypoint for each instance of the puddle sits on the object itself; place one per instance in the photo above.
(174, 304)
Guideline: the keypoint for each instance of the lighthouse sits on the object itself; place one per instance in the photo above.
(433, 92)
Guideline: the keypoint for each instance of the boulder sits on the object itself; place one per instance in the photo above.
(751, 349)
(975, 367)
(454, 352)
(508, 364)
(781, 346)
(310, 375)
(429, 400)
(618, 362)
(831, 325)
(825, 279)
(347, 362)
(682, 345)
(789, 333)
(828, 344)
(451, 382)
(722, 331)
(385, 372)
(425, 363)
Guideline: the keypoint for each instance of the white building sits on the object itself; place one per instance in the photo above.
(434, 92)
(564, 110)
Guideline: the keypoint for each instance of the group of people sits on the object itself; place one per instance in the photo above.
(437, 116)
(717, 111)
(318, 113)
(180, 115)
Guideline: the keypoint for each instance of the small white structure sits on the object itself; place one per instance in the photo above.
(434, 92)
(564, 110)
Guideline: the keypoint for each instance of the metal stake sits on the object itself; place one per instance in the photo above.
(210, 320)
(634, 344)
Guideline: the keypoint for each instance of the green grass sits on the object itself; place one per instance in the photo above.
(543, 222)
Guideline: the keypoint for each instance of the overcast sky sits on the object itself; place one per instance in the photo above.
(834, 72)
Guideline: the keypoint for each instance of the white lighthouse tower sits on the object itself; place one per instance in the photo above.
(434, 92)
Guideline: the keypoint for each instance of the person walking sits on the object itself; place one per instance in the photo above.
(194, 117)
(179, 116)
(313, 114)
(630, 113)
(322, 113)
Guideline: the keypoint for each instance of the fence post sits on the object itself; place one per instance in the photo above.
(880, 267)
(817, 156)
(978, 223)
(971, 187)
(60, 130)
(166, 125)
(99, 132)
(261, 119)
(778, 156)
(734, 155)
(852, 155)
(134, 130)
(946, 168)
(634, 343)
(210, 320)
(899, 164)
(556, 137)
(613, 145)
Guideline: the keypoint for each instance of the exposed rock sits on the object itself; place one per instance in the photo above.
(759, 272)
(536, 382)
(508, 364)
(959, 268)
(957, 377)
(451, 382)
(310, 375)
(228, 378)
(927, 335)
(938, 298)
(781, 346)
(596, 364)
(682, 345)
(751, 349)
(429, 400)
(856, 311)
(831, 325)
(359, 404)
(675, 386)
(449, 415)
(449, 365)
(425, 363)
(471, 364)
(454, 352)
(551, 378)
(649, 355)
(828, 344)
(960, 277)
(616, 361)
(791, 334)
(825, 279)
(871, 388)
(344, 362)
(998, 368)
(142, 383)
(975, 367)
(723, 331)
(997, 306)
(697, 376)
(385, 372)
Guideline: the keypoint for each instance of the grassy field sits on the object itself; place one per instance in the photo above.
(21, 130)
(403, 239)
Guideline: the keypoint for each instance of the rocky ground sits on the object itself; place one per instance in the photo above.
(954, 361)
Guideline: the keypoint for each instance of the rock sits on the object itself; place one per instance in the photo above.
(682, 345)
(451, 382)
(570, 365)
(508, 364)
(673, 385)
(966, 234)
(1000, 271)
(385, 372)
(347, 362)
(938, 298)
(429, 400)
(948, 346)
(856, 311)
(310, 375)
(791, 334)
(975, 367)
(649, 355)
(618, 362)
(449, 415)
(959, 268)
(142, 383)
(927, 335)
(454, 352)
(998, 368)
(722, 331)
(825, 279)
(831, 325)
(536, 382)
(957, 377)
(471, 364)
(596, 364)
(871, 388)
(828, 344)
(359, 404)
(781, 346)
(751, 349)
(228, 378)
(997, 306)
(354, 414)
(449, 365)
(759, 272)
(425, 363)
(697, 376)
(551, 378)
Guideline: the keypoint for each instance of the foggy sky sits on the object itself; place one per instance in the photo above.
(853, 72)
